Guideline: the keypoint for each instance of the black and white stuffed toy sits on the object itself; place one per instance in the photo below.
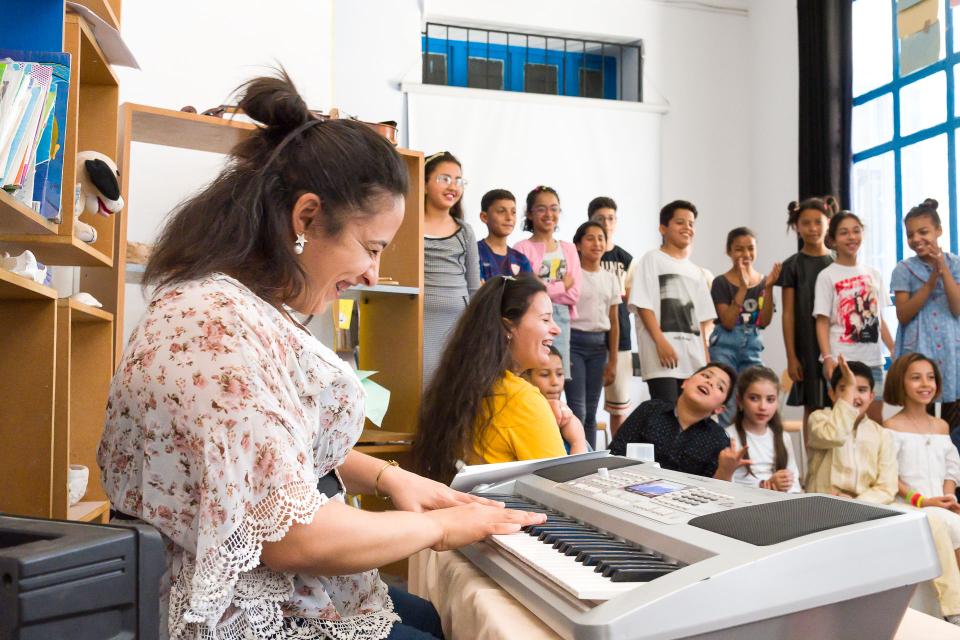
(97, 191)
(98, 184)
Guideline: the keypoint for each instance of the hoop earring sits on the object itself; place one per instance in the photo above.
(299, 243)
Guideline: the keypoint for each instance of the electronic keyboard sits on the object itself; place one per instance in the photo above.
(630, 550)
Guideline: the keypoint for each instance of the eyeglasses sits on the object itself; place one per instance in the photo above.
(446, 180)
(542, 208)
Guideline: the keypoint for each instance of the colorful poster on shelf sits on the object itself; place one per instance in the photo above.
(920, 49)
(918, 17)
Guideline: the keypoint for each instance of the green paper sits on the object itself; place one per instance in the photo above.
(378, 398)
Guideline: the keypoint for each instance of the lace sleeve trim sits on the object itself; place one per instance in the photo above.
(203, 595)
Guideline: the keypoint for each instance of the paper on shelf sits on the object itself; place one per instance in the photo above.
(378, 398)
(107, 37)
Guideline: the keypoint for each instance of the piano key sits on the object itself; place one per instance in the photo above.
(572, 548)
(591, 558)
(631, 576)
(609, 570)
(554, 537)
(581, 581)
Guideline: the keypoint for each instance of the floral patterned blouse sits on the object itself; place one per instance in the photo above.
(222, 416)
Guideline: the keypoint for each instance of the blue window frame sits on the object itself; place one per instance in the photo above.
(518, 51)
(905, 120)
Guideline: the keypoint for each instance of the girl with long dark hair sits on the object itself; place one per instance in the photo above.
(478, 409)
(757, 427)
(230, 428)
(451, 265)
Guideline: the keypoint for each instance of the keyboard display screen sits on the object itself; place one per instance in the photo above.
(656, 488)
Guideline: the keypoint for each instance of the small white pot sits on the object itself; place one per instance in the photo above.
(77, 479)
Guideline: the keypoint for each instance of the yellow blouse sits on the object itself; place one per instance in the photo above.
(522, 426)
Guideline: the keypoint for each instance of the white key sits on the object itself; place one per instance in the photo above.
(582, 581)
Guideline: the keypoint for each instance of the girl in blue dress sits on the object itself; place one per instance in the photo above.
(927, 298)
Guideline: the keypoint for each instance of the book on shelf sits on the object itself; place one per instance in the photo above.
(34, 88)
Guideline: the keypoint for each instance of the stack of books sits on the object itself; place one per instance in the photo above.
(34, 87)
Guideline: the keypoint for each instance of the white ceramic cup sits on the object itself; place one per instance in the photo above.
(642, 451)
(77, 478)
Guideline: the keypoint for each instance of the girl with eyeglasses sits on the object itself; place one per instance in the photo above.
(555, 261)
(451, 266)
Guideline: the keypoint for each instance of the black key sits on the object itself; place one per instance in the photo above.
(591, 558)
(552, 537)
(640, 575)
(609, 570)
(573, 548)
(537, 529)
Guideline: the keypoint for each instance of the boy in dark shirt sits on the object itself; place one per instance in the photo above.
(499, 213)
(684, 436)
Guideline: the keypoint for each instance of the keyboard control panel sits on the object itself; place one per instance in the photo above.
(665, 501)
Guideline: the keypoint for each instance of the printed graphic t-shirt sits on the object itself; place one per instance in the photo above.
(852, 298)
(677, 293)
(554, 265)
(618, 261)
(723, 292)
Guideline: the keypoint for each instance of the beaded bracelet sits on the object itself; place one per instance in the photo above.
(915, 498)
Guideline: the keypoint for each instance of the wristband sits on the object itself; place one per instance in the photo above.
(826, 356)
(915, 498)
(376, 483)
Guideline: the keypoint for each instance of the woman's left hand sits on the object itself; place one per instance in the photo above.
(410, 492)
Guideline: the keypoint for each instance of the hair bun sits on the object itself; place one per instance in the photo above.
(274, 101)
(930, 203)
(792, 206)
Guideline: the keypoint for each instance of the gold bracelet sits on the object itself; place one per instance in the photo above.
(376, 483)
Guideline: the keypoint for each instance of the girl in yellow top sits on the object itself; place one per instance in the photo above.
(477, 408)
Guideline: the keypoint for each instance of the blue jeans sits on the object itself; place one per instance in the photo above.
(418, 619)
(588, 357)
(739, 349)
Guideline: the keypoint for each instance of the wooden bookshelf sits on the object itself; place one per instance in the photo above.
(18, 218)
(57, 355)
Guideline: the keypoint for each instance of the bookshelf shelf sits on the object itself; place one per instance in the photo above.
(14, 287)
(58, 250)
(105, 9)
(387, 289)
(90, 511)
(185, 130)
(18, 218)
(83, 313)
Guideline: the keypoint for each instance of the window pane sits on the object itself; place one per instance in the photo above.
(873, 123)
(872, 189)
(923, 103)
(434, 68)
(540, 78)
(924, 174)
(920, 28)
(872, 42)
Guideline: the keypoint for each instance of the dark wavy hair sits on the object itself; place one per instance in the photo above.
(532, 199)
(452, 413)
(746, 378)
(926, 208)
(666, 213)
(839, 217)
(240, 224)
(431, 165)
(893, 392)
(827, 205)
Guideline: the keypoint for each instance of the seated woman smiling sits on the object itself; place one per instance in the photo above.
(478, 409)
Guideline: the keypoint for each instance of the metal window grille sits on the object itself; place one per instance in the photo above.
(526, 62)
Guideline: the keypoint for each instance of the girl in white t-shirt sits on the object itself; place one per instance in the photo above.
(848, 305)
(757, 427)
(595, 331)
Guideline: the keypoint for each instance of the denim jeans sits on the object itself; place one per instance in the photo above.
(418, 619)
(588, 358)
(739, 348)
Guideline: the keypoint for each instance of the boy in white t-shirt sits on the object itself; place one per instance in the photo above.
(672, 301)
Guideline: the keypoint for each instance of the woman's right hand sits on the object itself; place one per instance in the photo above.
(795, 369)
(666, 353)
(944, 502)
(460, 526)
